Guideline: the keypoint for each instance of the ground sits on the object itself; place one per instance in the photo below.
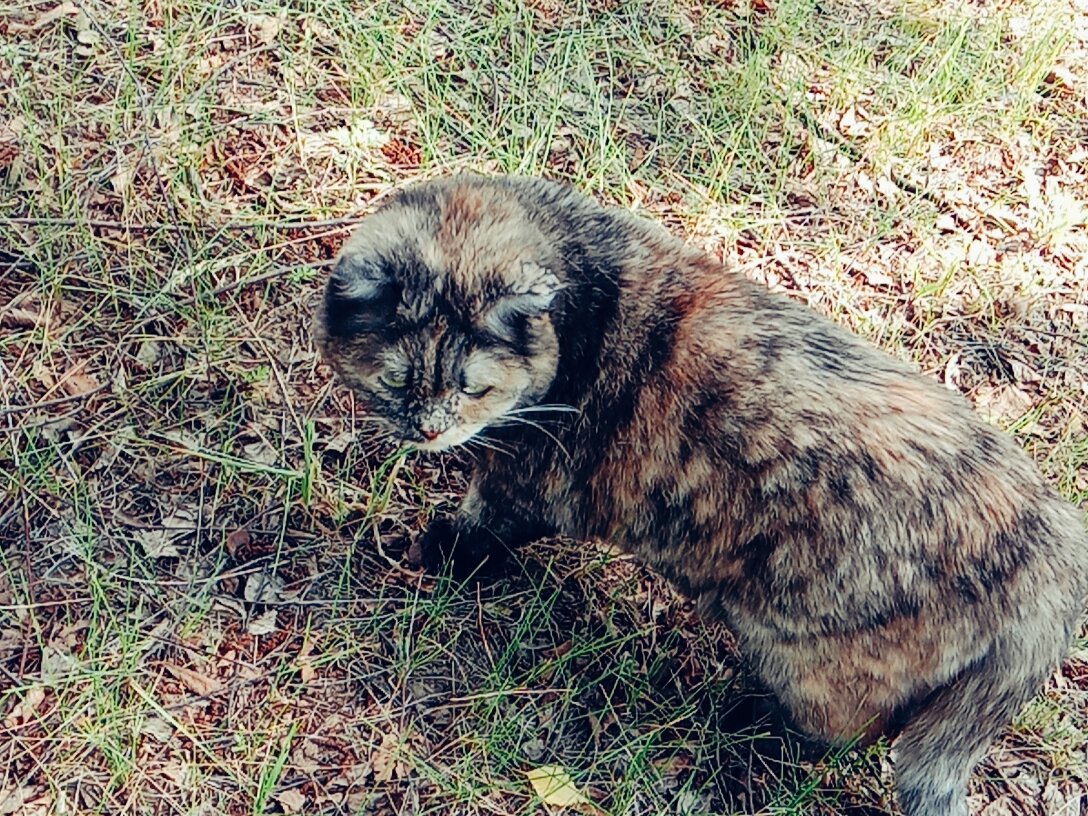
(205, 606)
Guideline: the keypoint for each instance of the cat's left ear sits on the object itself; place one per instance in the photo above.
(361, 296)
(530, 296)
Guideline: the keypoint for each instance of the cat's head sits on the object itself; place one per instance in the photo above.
(439, 312)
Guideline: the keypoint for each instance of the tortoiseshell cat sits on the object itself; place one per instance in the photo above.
(890, 563)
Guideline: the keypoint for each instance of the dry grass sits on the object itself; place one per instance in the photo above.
(203, 605)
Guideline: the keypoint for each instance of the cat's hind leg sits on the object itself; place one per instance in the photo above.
(950, 731)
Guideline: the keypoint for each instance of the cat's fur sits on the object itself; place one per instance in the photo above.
(889, 562)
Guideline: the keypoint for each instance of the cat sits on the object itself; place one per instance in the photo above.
(890, 563)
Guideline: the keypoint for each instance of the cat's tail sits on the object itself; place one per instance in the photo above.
(949, 733)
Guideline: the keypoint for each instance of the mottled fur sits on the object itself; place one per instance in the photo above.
(890, 563)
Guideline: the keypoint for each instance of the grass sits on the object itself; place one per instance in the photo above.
(204, 607)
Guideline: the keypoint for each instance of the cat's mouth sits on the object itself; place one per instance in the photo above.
(444, 440)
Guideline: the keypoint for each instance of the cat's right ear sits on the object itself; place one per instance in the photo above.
(361, 297)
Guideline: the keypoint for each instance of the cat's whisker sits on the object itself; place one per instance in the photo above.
(489, 444)
(371, 420)
(530, 409)
(512, 420)
(464, 446)
(505, 421)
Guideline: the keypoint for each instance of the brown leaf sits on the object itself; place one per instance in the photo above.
(305, 663)
(25, 710)
(195, 681)
(17, 318)
(291, 801)
(1002, 403)
(237, 539)
(25, 800)
(65, 9)
(386, 759)
(78, 383)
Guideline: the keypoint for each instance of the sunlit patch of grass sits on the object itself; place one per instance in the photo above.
(1054, 730)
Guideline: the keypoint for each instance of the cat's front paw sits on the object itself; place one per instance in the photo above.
(463, 553)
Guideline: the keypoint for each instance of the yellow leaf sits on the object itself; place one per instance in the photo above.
(555, 787)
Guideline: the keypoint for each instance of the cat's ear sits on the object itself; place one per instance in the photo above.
(361, 296)
(531, 295)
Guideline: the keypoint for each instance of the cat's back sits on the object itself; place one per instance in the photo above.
(843, 474)
(836, 437)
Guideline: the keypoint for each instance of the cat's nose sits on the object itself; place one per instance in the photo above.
(429, 435)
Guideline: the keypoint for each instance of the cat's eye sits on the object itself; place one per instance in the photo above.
(475, 390)
(394, 379)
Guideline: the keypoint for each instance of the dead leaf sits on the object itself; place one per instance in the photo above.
(1002, 806)
(1062, 798)
(65, 9)
(307, 756)
(555, 787)
(357, 793)
(25, 710)
(291, 801)
(387, 760)
(195, 681)
(852, 122)
(306, 670)
(179, 773)
(319, 30)
(263, 587)
(121, 180)
(20, 318)
(341, 442)
(77, 383)
(237, 539)
(534, 749)
(886, 187)
(57, 665)
(263, 624)
(305, 663)
(265, 27)
(1002, 403)
(874, 277)
(158, 543)
(158, 728)
(25, 800)
(344, 145)
(1078, 313)
(86, 36)
(946, 222)
(953, 372)
(147, 354)
(180, 521)
(979, 253)
(261, 453)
